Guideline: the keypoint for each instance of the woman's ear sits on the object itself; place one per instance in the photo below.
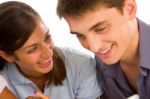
(130, 8)
(5, 56)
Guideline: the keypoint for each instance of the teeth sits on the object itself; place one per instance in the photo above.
(43, 62)
(105, 51)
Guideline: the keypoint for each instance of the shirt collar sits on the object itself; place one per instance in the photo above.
(144, 46)
(114, 72)
(110, 70)
(14, 74)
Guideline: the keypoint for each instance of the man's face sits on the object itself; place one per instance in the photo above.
(105, 31)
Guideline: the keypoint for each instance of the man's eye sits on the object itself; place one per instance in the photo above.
(100, 29)
(80, 36)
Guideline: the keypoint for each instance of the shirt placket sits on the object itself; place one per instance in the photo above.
(141, 83)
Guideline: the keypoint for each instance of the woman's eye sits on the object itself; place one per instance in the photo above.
(32, 50)
(47, 38)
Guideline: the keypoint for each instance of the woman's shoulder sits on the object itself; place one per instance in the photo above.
(72, 52)
(77, 60)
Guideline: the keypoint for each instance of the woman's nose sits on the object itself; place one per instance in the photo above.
(47, 52)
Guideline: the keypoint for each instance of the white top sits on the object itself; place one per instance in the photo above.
(135, 96)
(3, 83)
(80, 82)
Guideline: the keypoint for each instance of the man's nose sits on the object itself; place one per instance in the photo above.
(94, 44)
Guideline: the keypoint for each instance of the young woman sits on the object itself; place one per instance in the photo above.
(31, 63)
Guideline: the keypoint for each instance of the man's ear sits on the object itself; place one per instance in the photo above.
(130, 8)
(5, 56)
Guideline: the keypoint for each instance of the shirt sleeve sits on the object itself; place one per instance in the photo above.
(81, 73)
(3, 83)
(87, 85)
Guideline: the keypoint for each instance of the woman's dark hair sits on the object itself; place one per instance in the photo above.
(58, 73)
(17, 22)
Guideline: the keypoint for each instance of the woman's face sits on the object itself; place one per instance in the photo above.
(34, 58)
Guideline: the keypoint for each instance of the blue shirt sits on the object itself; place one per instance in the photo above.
(113, 79)
(80, 81)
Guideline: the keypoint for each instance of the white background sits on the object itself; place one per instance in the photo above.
(59, 28)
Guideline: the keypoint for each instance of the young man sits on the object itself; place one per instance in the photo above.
(111, 30)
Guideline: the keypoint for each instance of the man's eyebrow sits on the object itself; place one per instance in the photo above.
(91, 28)
(96, 25)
